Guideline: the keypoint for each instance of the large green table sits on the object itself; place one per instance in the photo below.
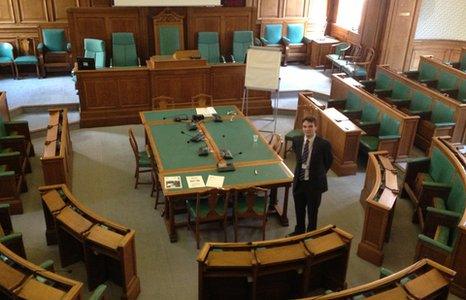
(256, 163)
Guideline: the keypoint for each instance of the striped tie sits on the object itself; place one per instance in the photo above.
(304, 159)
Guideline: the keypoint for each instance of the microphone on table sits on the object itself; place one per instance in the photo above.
(225, 153)
(217, 118)
(203, 150)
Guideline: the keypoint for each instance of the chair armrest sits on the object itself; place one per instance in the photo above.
(444, 124)
(306, 40)
(361, 63)
(257, 42)
(411, 74)
(369, 85)
(286, 41)
(48, 265)
(433, 243)
(399, 102)
(447, 217)
(41, 48)
(98, 293)
(389, 137)
(384, 272)
(11, 237)
(337, 103)
(68, 47)
(383, 92)
(264, 41)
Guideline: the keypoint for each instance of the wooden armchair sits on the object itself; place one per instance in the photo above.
(295, 43)
(54, 50)
(202, 100)
(163, 102)
(168, 32)
(251, 204)
(359, 66)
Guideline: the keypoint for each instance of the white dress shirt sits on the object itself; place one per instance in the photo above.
(308, 160)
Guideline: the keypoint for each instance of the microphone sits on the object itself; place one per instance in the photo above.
(225, 153)
(180, 118)
(217, 118)
(194, 138)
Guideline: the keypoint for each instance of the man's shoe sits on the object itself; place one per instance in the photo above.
(294, 233)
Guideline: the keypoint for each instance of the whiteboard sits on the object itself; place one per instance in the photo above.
(167, 2)
(263, 69)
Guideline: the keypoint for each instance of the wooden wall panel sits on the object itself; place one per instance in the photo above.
(295, 8)
(58, 9)
(445, 50)
(32, 11)
(269, 9)
(6, 12)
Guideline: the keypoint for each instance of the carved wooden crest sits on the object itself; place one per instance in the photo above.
(168, 16)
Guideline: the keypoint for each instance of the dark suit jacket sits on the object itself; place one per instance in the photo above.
(321, 160)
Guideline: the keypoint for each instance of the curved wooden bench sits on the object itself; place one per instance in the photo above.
(57, 158)
(393, 129)
(107, 248)
(424, 279)
(21, 279)
(282, 269)
(378, 197)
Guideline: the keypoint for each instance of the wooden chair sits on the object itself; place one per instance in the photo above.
(251, 204)
(201, 100)
(143, 164)
(163, 102)
(168, 32)
(276, 142)
(27, 56)
(359, 67)
(156, 186)
(210, 206)
(10, 239)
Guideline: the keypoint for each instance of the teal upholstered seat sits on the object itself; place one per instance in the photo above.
(124, 50)
(26, 60)
(54, 40)
(208, 45)
(369, 114)
(295, 33)
(98, 292)
(169, 39)
(95, 49)
(389, 129)
(442, 115)
(6, 56)
(272, 35)
(242, 40)
(340, 49)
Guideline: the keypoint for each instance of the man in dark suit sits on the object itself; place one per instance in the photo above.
(313, 160)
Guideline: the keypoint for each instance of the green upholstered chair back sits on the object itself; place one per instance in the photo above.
(440, 168)
(273, 33)
(369, 113)
(54, 39)
(211, 204)
(95, 49)
(420, 102)
(295, 33)
(6, 52)
(457, 197)
(400, 91)
(340, 48)
(382, 81)
(463, 60)
(352, 102)
(442, 113)
(242, 40)
(124, 50)
(462, 91)
(208, 46)
(3, 131)
(252, 201)
(169, 39)
(447, 80)
(427, 71)
(389, 126)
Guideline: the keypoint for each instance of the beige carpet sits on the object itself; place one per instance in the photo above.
(103, 180)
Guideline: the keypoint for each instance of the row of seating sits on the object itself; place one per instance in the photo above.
(386, 128)
(107, 248)
(20, 279)
(15, 149)
(378, 197)
(352, 59)
(440, 77)
(278, 269)
(461, 64)
(439, 115)
(53, 51)
(437, 187)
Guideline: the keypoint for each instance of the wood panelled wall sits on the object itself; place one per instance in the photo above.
(445, 50)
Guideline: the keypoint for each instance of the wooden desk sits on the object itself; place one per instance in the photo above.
(115, 96)
(278, 269)
(378, 197)
(257, 165)
(342, 134)
(319, 49)
(18, 280)
(107, 248)
(172, 62)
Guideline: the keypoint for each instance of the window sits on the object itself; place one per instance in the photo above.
(317, 18)
(349, 14)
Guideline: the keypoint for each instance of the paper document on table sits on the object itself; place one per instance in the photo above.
(215, 181)
(195, 182)
(206, 111)
(173, 182)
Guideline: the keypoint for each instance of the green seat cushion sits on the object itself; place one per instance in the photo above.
(439, 203)
(382, 81)
(355, 70)
(144, 160)
(5, 60)
(26, 60)
(259, 204)
(294, 133)
(442, 234)
(447, 81)
(440, 169)
(462, 90)
(204, 207)
(3, 168)
(273, 33)
(370, 142)
(400, 91)
(169, 39)
(295, 33)
(340, 48)
(457, 197)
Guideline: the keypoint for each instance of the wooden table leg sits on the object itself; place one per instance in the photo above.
(170, 220)
(274, 207)
(284, 215)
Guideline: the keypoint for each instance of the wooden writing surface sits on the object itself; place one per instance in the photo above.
(387, 198)
(324, 243)
(426, 284)
(74, 220)
(10, 278)
(105, 237)
(395, 293)
(391, 180)
(53, 201)
(230, 258)
(335, 115)
(33, 289)
(281, 254)
(387, 165)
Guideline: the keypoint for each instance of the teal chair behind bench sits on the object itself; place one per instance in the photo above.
(242, 41)
(369, 114)
(6, 56)
(208, 45)
(124, 50)
(272, 35)
(95, 49)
